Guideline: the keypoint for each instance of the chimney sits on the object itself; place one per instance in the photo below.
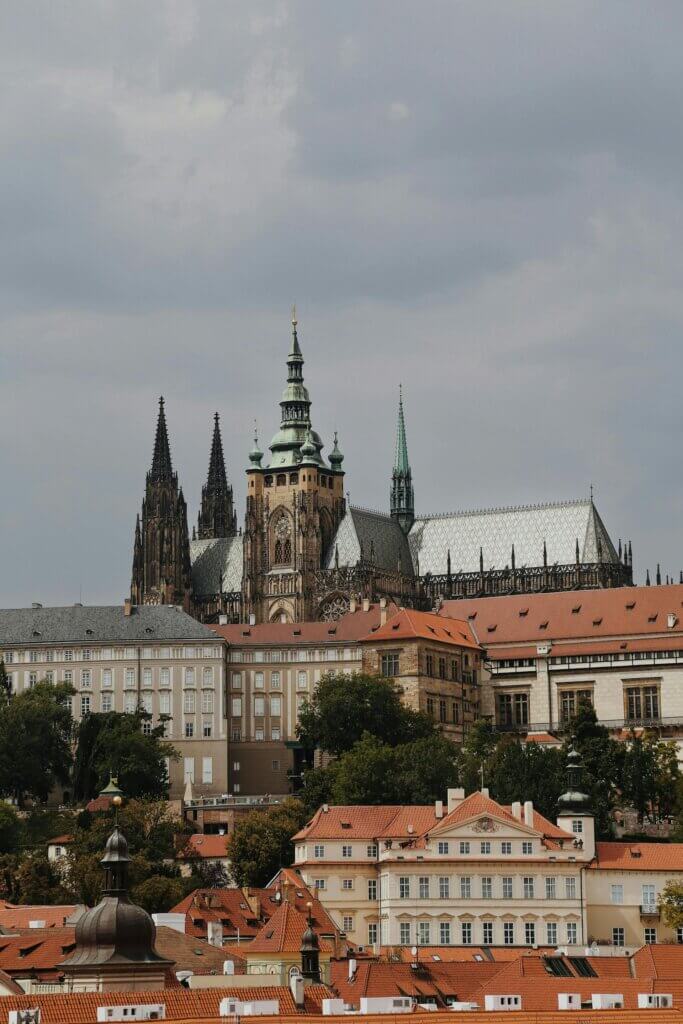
(366, 604)
(382, 611)
(455, 798)
(252, 619)
(222, 620)
(529, 813)
(127, 607)
(484, 791)
(296, 984)
(287, 891)
(215, 933)
(352, 604)
(254, 902)
(353, 964)
(438, 809)
(516, 810)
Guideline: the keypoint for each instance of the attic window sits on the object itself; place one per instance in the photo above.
(523, 612)
(543, 625)
(296, 632)
(149, 629)
(431, 629)
(652, 618)
(36, 632)
(596, 622)
(394, 625)
(246, 632)
(448, 632)
(576, 609)
(332, 630)
(473, 615)
(635, 852)
(630, 605)
(269, 935)
(346, 824)
(492, 629)
(88, 632)
(623, 646)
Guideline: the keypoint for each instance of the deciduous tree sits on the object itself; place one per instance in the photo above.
(261, 843)
(35, 741)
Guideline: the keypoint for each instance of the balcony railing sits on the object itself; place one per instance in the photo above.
(649, 910)
(609, 723)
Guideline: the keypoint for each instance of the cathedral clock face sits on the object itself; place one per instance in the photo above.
(282, 528)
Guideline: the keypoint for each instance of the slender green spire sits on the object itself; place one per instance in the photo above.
(401, 464)
(402, 495)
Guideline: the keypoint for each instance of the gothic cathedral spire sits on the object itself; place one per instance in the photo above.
(161, 555)
(217, 517)
(402, 496)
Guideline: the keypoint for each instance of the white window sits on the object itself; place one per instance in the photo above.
(49, 677)
(207, 702)
(275, 683)
(190, 677)
(528, 888)
(147, 677)
(146, 728)
(68, 675)
(506, 848)
(347, 923)
(466, 933)
(318, 850)
(464, 847)
(33, 657)
(130, 703)
(570, 887)
(189, 702)
(32, 679)
(236, 707)
(165, 677)
(423, 887)
(237, 680)
(87, 655)
(444, 887)
(275, 706)
(347, 851)
(487, 933)
(551, 933)
(486, 846)
(507, 887)
(207, 769)
(146, 703)
(650, 936)
(302, 681)
(68, 655)
(616, 893)
(486, 887)
(347, 884)
(259, 707)
(258, 680)
(85, 705)
(372, 888)
(649, 896)
(571, 933)
(164, 703)
(275, 733)
(529, 933)
(207, 730)
(189, 730)
(372, 851)
(207, 677)
(188, 769)
(444, 933)
(319, 883)
(404, 933)
(130, 677)
(443, 847)
(577, 825)
(423, 933)
(372, 934)
(86, 678)
(8, 657)
(550, 888)
(527, 848)
(509, 933)
(404, 887)
(106, 678)
(259, 734)
(465, 888)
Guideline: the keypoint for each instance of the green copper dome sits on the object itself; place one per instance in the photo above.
(336, 457)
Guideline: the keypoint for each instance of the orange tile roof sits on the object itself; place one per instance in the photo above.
(638, 857)
(408, 624)
(365, 821)
(349, 628)
(283, 933)
(230, 907)
(437, 979)
(13, 917)
(204, 846)
(60, 840)
(575, 615)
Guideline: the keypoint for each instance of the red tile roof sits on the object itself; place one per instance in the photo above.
(241, 912)
(408, 624)
(437, 979)
(13, 917)
(638, 857)
(638, 613)
(205, 846)
(283, 933)
(349, 628)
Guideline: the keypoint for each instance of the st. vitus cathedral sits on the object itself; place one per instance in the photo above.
(304, 554)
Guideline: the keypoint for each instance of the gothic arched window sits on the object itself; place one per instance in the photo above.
(282, 538)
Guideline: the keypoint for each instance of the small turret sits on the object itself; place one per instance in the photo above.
(574, 812)
(336, 457)
(255, 455)
(310, 952)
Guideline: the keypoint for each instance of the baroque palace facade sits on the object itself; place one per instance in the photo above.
(305, 555)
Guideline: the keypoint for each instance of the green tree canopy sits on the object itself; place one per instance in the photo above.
(671, 904)
(261, 843)
(114, 743)
(35, 741)
(11, 830)
(345, 706)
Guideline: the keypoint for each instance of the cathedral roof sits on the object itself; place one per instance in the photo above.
(210, 558)
(82, 624)
(495, 531)
(372, 536)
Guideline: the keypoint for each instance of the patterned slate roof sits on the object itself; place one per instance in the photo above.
(210, 558)
(374, 537)
(496, 530)
(95, 624)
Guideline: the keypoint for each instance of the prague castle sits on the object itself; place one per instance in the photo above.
(304, 554)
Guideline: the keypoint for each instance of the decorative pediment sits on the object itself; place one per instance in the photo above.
(485, 825)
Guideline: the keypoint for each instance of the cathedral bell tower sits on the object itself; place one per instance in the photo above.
(294, 505)
(161, 552)
(402, 495)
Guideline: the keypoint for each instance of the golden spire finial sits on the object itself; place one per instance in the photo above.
(294, 319)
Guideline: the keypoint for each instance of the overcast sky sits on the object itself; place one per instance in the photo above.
(479, 199)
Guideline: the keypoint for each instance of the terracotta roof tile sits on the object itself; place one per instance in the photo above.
(638, 857)
(410, 624)
(13, 917)
(283, 932)
(205, 846)
(348, 629)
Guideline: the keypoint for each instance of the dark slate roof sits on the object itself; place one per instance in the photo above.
(92, 624)
(377, 536)
(495, 530)
(210, 558)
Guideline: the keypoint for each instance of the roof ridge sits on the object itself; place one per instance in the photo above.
(370, 511)
(570, 503)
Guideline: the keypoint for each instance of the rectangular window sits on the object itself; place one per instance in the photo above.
(550, 888)
(68, 655)
(529, 933)
(207, 702)
(106, 702)
(508, 933)
(318, 851)
(577, 826)
(372, 934)
(106, 678)
(236, 707)
(188, 769)
(165, 677)
(487, 933)
(404, 887)
(189, 702)
(207, 677)
(506, 848)
(372, 888)
(130, 703)
(442, 668)
(389, 664)
(404, 933)
(571, 933)
(32, 679)
(513, 708)
(347, 851)
(87, 655)
(551, 933)
(189, 730)
(464, 848)
(275, 706)
(616, 893)
(465, 888)
(642, 703)
(258, 734)
(85, 705)
(650, 936)
(49, 677)
(527, 849)
(130, 677)
(444, 888)
(86, 678)
(207, 769)
(258, 680)
(430, 664)
(569, 702)
(443, 847)
(147, 677)
(207, 730)
(372, 851)
(259, 707)
(486, 887)
(190, 677)
(275, 733)
(649, 898)
(275, 681)
(302, 681)
(68, 676)
(444, 933)
(507, 888)
(237, 680)
(347, 884)
(319, 883)
(485, 847)
(570, 888)
(423, 938)
(466, 933)
(146, 703)
(164, 703)
(528, 887)
(423, 887)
